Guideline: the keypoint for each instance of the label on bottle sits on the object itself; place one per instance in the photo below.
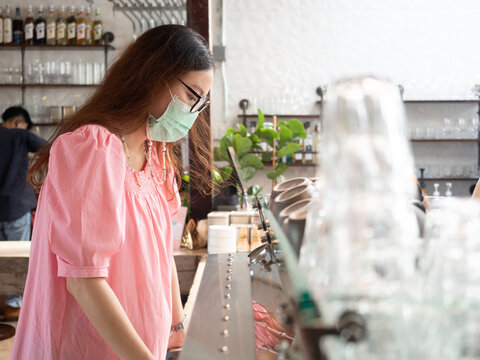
(7, 31)
(40, 31)
(97, 32)
(88, 32)
(51, 31)
(1, 30)
(71, 30)
(17, 37)
(81, 31)
(61, 31)
(308, 152)
(29, 31)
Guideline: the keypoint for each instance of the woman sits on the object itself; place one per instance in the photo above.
(102, 283)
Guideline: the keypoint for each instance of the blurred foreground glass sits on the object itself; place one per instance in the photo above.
(361, 235)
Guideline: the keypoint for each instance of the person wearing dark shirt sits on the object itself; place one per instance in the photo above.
(17, 198)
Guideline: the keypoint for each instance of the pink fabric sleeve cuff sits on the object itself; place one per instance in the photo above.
(74, 271)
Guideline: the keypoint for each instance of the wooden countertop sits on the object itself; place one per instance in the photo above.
(22, 249)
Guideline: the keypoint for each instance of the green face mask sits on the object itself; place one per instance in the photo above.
(175, 122)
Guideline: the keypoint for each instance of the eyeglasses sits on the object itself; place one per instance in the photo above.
(202, 101)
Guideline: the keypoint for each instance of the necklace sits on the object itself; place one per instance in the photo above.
(148, 156)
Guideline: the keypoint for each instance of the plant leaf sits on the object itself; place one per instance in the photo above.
(267, 156)
(220, 154)
(241, 145)
(217, 177)
(231, 132)
(278, 171)
(268, 135)
(254, 139)
(243, 130)
(251, 160)
(247, 172)
(285, 135)
(297, 128)
(261, 119)
(290, 148)
(254, 190)
(226, 172)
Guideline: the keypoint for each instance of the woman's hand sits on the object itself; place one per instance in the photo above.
(176, 339)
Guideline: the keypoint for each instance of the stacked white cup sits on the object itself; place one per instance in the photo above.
(222, 239)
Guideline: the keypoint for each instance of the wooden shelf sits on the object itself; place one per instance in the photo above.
(475, 101)
(446, 140)
(426, 101)
(46, 124)
(451, 179)
(56, 47)
(294, 165)
(280, 116)
(45, 85)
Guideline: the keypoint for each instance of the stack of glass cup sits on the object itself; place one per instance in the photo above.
(361, 235)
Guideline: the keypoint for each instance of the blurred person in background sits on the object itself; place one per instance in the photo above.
(17, 198)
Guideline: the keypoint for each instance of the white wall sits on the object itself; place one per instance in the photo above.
(277, 47)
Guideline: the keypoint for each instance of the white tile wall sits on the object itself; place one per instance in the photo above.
(429, 46)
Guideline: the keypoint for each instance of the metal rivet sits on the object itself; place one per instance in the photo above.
(224, 349)
(229, 271)
(226, 306)
(230, 259)
(226, 318)
(228, 296)
(228, 278)
(230, 254)
(224, 332)
(228, 286)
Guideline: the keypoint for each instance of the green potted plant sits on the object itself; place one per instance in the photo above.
(248, 148)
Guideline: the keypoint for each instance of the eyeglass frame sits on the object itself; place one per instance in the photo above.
(198, 96)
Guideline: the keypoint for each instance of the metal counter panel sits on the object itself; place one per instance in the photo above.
(205, 336)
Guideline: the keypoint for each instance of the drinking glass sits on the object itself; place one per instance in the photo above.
(473, 128)
(447, 128)
(460, 128)
(88, 73)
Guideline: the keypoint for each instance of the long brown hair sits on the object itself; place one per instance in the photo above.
(121, 102)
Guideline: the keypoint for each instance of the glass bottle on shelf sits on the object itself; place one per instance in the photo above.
(88, 26)
(40, 25)
(81, 27)
(71, 27)
(29, 27)
(51, 26)
(308, 145)
(317, 140)
(61, 26)
(17, 27)
(97, 28)
(448, 193)
(1, 25)
(7, 26)
(435, 191)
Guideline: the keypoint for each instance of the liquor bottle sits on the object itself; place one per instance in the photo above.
(17, 27)
(40, 36)
(51, 26)
(97, 28)
(1, 26)
(88, 26)
(317, 141)
(71, 27)
(61, 27)
(7, 26)
(308, 145)
(29, 27)
(81, 27)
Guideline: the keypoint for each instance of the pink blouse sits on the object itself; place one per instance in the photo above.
(94, 221)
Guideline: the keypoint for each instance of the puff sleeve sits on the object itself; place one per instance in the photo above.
(86, 178)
